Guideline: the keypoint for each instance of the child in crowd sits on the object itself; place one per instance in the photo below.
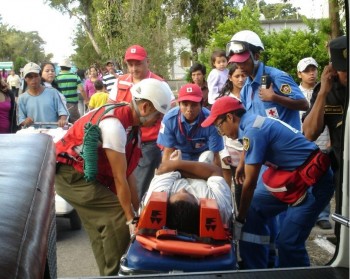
(99, 98)
(218, 75)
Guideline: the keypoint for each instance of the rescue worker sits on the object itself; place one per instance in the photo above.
(137, 61)
(181, 128)
(282, 98)
(307, 72)
(299, 178)
(328, 104)
(267, 92)
(106, 205)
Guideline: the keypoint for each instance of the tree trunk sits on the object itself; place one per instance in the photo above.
(334, 18)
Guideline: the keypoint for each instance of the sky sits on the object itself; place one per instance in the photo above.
(57, 30)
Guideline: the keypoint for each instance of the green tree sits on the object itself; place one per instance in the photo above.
(28, 46)
(243, 19)
(197, 19)
(282, 49)
(108, 27)
(278, 10)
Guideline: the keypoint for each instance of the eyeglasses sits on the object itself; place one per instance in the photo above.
(218, 126)
(32, 76)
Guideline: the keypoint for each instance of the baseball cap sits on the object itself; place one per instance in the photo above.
(135, 52)
(339, 53)
(31, 68)
(65, 63)
(190, 92)
(239, 57)
(221, 106)
(303, 63)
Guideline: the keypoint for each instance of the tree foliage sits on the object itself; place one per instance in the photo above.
(197, 19)
(108, 27)
(278, 10)
(21, 47)
(283, 49)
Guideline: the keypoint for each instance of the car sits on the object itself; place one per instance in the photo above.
(62, 207)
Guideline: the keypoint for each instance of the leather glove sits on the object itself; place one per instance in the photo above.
(237, 230)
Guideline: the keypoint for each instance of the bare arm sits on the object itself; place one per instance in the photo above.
(83, 94)
(217, 159)
(313, 124)
(251, 178)
(133, 190)
(269, 95)
(118, 164)
(190, 169)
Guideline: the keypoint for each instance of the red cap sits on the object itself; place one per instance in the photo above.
(135, 52)
(221, 106)
(239, 57)
(190, 92)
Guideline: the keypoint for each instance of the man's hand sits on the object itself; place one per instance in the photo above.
(227, 160)
(62, 121)
(176, 155)
(327, 77)
(267, 95)
(27, 122)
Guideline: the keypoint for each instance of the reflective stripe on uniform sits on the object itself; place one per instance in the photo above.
(276, 190)
(255, 238)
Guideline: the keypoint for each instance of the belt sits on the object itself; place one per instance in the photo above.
(64, 159)
(148, 142)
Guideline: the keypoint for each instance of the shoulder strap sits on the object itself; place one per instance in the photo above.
(92, 136)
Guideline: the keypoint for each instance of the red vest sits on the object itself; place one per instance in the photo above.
(74, 137)
(124, 84)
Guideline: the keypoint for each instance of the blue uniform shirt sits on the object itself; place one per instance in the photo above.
(191, 139)
(270, 141)
(283, 85)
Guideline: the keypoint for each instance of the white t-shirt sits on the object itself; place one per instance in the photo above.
(111, 129)
(214, 188)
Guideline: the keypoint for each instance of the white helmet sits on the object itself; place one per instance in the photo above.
(242, 41)
(154, 90)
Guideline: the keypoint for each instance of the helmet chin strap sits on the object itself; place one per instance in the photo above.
(143, 119)
(256, 62)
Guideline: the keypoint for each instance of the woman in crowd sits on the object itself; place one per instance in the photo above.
(89, 86)
(48, 75)
(7, 109)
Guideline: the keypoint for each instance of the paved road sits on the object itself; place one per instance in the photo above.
(74, 254)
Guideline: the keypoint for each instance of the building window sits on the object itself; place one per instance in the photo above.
(185, 59)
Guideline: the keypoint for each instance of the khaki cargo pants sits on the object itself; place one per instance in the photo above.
(101, 214)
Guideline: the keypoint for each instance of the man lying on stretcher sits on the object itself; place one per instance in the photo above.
(186, 182)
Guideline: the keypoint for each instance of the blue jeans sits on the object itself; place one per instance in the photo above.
(324, 215)
(293, 231)
(144, 172)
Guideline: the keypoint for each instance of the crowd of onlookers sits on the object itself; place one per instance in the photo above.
(91, 85)
(237, 101)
